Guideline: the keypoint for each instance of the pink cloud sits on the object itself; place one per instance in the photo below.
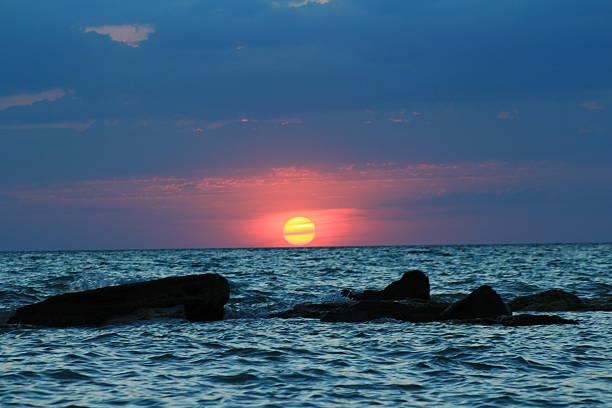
(508, 114)
(355, 204)
(30, 99)
(592, 105)
(306, 2)
(130, 35)
(77, 126)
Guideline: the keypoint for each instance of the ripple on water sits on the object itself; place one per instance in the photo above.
(251, 362)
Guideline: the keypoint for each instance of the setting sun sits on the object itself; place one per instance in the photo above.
(299, 231)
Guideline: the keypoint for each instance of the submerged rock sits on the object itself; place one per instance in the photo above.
(416, 311)
(532, 320)
(482, 302)
(202, 298)
(309, 310)
(412, 310)
(517, 320)
(413, 285)
(559, 300)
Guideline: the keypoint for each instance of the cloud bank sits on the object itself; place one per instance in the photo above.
(77, 126)
(130, 35)
(30, 99)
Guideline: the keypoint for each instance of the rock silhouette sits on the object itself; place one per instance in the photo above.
(482, 302)
(407, 310)
(201, 298)
(559, 300)
(550, 300)
(414, 284)
(517, 320)
(482, 306)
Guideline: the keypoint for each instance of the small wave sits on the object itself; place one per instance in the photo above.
(66, 374)
(94, 281)
(482, 366)
(235, 379)
(165, 356)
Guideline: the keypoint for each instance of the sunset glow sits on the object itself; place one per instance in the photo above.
(299, 231)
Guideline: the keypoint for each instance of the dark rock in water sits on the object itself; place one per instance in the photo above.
(559, 300)
(547, 301)
(5, 316)
(482, 302)
(532, 320)
(517, 320)
(413, 285)
(603, 304)
(417, 311)
(309, 310)
(202, 298)
(407, 310)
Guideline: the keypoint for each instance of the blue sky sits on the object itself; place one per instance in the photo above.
(114, 93)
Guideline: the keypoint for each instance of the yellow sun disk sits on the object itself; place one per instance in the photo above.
(299, 231)
(299, 239)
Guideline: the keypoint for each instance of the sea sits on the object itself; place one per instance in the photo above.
(248, 360)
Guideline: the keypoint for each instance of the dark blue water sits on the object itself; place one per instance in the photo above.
(248, 361)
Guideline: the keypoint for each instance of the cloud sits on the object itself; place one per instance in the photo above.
(382, 200)
(129, 35)
(586, 131)
(508, 114)
(78, 126)
(300, 3)
(30, 99)
(199, 127)
(592, 105)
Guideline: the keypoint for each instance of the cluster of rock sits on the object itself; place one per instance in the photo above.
(408, 299)
(199, 298)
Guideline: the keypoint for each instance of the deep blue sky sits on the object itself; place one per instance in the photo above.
(107, 93)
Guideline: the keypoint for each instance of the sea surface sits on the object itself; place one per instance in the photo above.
(250, 361)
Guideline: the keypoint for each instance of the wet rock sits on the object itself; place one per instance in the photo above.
(412, 310)
(5, 315)
(532, 320)
(309, 310)
(555, 300)
(413, 285)
(547, 301)
(482, 302)
(202, 298)
(516, 320)
(602, 304)
(416, 311)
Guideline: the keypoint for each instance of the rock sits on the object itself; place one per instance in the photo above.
(532, 320)
(309, 310)
(602, 304)
(413, 285)
(516, 320)
(482, 302)
(547, 301)
(201, 296)
(412, 310)
(555, 300)
(416, 311)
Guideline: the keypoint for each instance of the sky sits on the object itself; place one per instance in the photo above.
(199, 123)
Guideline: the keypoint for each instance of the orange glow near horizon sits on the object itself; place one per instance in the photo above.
(333, 227)
(368, 205)
(299, 231)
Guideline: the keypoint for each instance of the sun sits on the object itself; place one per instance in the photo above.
(299, 231)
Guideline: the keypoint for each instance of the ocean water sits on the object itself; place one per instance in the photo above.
(249, 361)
